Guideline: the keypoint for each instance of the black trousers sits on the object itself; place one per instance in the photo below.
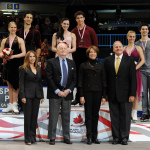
(120, 114)
(92, 106)
(31, 109)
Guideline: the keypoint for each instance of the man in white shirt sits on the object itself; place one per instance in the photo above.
(121, 92)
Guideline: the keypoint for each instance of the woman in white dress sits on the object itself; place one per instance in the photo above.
(64, 35)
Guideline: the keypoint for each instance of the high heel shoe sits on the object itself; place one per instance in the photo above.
(89, 141)
(96, 141)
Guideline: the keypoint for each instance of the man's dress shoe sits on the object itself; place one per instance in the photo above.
(52, 142)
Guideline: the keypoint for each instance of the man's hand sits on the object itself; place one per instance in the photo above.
(82, 100)
(60, 94)
(66, 92)
(131, 99)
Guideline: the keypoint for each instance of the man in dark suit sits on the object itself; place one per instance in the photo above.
(61, 79)
(121, 92)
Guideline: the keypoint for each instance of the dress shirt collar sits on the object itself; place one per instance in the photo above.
(60, 59)
(119, 56)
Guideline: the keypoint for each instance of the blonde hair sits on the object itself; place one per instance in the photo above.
(26, 60)
(131, 31)
(12, 22)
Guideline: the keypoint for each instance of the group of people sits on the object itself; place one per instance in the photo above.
(117, 80)
(46, 25)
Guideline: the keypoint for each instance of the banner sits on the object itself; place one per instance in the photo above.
(4, 96)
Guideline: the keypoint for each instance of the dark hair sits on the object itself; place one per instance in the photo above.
(95, 48)
(143, 24)
(28, 12)
(61, 30)
(79, 13)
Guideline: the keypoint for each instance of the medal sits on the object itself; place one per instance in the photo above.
(81, 43)
(144, 46)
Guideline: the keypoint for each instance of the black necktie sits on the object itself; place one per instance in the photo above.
(65, 75)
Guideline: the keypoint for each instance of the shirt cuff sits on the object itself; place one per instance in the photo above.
(69, 90)
(56, 91)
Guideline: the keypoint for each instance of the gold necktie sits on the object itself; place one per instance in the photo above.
(117, 64)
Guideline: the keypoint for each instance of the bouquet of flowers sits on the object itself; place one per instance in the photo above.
(7, 52)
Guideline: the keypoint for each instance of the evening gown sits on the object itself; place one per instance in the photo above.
(12, 66)
(135, 55)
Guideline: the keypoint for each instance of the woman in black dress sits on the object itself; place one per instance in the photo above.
(92, 89)
(31, 92)
(12, 73)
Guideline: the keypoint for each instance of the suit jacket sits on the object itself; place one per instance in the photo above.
(91, 78)
(53, 74)
(29, 86)
(122, 85)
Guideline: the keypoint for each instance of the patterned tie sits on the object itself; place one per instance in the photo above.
(117, 64)
(65, 75)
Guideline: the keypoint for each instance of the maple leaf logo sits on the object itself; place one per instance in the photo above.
(78, 119)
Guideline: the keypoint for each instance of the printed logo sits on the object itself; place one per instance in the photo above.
(78, 121)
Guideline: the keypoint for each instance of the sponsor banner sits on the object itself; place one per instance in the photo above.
(4, 96)
(12, 127)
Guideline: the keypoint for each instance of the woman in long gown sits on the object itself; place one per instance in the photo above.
(136, 52)
(64, 35)
(13, 62)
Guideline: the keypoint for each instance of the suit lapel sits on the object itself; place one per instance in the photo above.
(113, 64)
(30, 72)
(69, 66)
(57, 63)
(38, 73)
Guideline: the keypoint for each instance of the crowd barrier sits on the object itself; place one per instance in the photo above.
(104, 40)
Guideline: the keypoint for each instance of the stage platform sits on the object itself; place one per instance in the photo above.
(12, 126)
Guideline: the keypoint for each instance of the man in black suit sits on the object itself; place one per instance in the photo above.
(121, 92)
(61, 79)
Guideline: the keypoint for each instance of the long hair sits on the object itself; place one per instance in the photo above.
(26, 60)
(61, 30)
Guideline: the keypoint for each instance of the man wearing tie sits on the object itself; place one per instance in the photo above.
(121, 92)
(61, 79)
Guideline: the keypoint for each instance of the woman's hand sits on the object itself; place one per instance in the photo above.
(23, 100)
(82, 100)
(11, 57)
(103, 101)
(42, 100)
